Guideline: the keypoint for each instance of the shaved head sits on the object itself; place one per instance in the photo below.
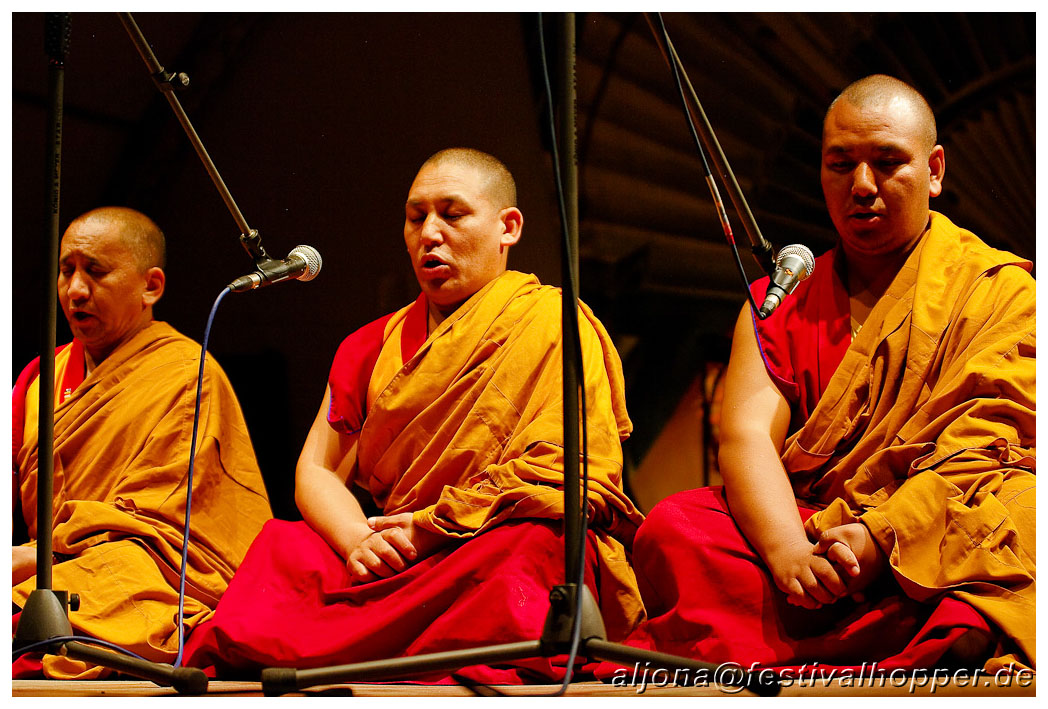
(139, 233)
(498, 185)
(880, 91)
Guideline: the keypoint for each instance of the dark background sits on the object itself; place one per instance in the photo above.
(318, 122)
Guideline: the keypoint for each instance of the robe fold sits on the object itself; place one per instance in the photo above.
(122, 438)
(463, 429)
(922, 428)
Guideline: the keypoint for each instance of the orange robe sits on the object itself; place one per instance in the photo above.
(473, 436)
(923, 429)
(463, 428)
(122, 441)
(927, 432)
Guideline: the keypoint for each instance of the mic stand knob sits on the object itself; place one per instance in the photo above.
(167, 81)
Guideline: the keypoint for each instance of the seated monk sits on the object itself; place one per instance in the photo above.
(449, 413)
(124, 395)
(878, 439)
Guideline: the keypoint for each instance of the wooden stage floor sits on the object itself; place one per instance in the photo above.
(929, 686)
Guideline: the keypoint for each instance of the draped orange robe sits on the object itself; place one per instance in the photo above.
(122, 441)
(923, 428)
(927, 432)
(467, 433)
(463, 428)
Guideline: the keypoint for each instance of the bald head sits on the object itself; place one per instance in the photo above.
(138, 233)
(879, 91)
(498, 186)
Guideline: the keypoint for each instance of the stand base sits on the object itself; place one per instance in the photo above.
(44, 617)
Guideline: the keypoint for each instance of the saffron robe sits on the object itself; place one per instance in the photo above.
(923, 428)
(122, 437)
(462, 428)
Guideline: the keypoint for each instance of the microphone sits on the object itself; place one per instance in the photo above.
(793, 264)
(302, 264)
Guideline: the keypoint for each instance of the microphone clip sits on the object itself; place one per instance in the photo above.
(267, 270)
(252, 243)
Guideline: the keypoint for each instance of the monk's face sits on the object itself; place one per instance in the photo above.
(105, 295)
(457, 237)
(878, 173)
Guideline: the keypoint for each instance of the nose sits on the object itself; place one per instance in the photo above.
(431, 234)
(77, 288)
(864, 183)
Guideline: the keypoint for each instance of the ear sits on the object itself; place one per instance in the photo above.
(155, 280)
(937, 168)
(512, 226)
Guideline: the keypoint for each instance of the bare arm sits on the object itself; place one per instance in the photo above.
(322, 478)
(756, 419)
(23, 563)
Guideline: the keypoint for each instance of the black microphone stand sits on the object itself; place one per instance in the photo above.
(565, 600)
(45, 614)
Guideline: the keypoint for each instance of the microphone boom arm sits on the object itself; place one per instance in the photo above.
(168, 83)
(761, 247)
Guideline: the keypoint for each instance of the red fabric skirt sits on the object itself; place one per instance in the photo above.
(710, 597)
(25, 666)
(292, 604)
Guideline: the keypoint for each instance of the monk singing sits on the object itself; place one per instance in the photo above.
(878, 439)
(448, 413)
(124, 395)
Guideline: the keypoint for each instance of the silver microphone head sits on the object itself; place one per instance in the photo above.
(793, 264)
(797, 259)
(312, 258)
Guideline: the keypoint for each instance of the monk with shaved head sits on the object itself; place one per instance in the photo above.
(877, 441)
(446, 416)
(124, 391)
(111, 273)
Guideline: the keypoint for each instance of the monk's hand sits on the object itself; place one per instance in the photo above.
(383, 553)
(23, 564)
(852, 548)
(808, 579)
(423, 541)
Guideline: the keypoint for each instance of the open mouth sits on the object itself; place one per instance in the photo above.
(80, 316)
(434, 267)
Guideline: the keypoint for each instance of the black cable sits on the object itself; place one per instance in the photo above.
(87, 640)
(602, 86)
